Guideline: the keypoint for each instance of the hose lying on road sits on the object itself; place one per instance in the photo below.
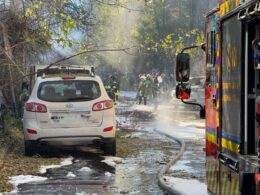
(162, 181)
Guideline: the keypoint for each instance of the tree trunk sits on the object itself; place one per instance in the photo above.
(9, 53)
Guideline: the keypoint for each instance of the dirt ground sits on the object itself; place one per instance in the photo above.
(12, 160)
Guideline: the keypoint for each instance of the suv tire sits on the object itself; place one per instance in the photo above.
(110, 148)
(29, 148)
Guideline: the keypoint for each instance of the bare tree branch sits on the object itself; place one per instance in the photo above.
(12, 47)
(119, 5)
(66, 58)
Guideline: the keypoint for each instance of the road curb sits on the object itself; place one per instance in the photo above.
(165, 169)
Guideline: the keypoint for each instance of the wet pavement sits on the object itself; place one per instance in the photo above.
(183, 122)
(86, 175)
(134, 174)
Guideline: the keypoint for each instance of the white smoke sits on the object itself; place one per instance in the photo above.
(119, 35)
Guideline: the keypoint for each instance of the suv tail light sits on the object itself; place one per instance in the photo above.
(108, 129)
(104, 105)
(31, 131)
(35, 107)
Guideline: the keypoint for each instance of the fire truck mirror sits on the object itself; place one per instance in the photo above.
(183, 67)
(183, 91)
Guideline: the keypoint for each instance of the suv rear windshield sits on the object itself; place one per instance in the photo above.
(64, 91)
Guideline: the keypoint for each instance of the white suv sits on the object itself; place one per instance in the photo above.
(69, 111)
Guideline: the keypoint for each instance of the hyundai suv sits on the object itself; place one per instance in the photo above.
(69, 111)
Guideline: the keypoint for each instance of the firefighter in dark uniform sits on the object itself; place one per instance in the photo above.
(108, 88)
(115, 87)
(114, 83)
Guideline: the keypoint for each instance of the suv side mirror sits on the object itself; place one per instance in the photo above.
(183, 67)
(183, 91)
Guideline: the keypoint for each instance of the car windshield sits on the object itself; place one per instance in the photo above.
(64, 91)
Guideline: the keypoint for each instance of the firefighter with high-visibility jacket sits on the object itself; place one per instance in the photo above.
(114, 84)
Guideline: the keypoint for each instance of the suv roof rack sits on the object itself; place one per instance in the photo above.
(58, 70)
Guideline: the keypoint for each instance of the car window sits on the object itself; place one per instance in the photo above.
(64, 91)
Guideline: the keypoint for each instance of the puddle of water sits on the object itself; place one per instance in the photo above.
(65, 162)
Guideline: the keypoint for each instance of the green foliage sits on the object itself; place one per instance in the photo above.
(165, 28)
(53, 24)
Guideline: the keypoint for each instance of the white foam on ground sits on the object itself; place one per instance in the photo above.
(65, 162)
(84, 193)
(146, 108)
(85, 169)
(136, 135)
(133, 135)
(135, 192)
(112, 161)
(193, 123)
(172, 121)
(21, 179)
(70, 174)
(108, 174)
(129, 94)
(187, 186)
(182, 132)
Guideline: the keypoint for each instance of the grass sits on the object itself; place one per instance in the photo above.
(132, 146)
(126, 147)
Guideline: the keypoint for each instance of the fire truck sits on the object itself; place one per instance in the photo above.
(232, 96)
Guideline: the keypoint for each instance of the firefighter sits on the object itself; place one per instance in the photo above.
(155, 88)
(114, 84)
(144, 89)
(155, 91)
(109, 89)
(141, 90)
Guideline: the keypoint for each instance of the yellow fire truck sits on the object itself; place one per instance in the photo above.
(232, 96)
